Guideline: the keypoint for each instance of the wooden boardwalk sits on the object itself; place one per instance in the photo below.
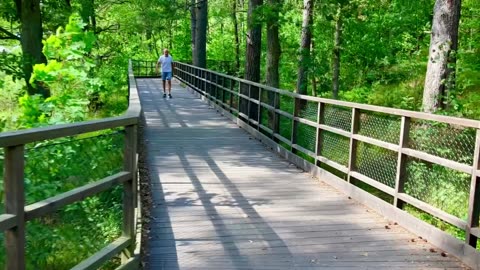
(224, 201)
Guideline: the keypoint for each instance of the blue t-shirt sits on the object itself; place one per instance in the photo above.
(166, 62)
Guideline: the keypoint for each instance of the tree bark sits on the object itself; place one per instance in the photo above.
(30, 16)
(273, 45)
(336, 54)
(253, 54)
(200, 56)
(440, 77)
(305, 43)
(193, 25)
(237, 39)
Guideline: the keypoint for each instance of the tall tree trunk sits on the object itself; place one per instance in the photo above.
(31, 39)
(253, 54)
(273, 55)
(440, 76)
(314, 77)
(237, 40)
(193, 25)
(200, 57)
(305, 47)
(273, 45)
(336, 53)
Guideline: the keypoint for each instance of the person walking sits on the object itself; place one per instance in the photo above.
(166, 61)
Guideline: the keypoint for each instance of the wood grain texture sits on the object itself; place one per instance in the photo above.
(223, 200)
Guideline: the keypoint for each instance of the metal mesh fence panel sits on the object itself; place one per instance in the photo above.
(338, 117)
(380, 126)
(334, 147)
(377, 163)
(438, 186)
(443, 140)
(287, 103)
(52, 168)
(306, 136)
(309, 111)
(285, 127)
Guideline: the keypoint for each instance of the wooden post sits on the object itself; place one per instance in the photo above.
(129, 189)
(276, 116)
(14, 205)
(296, 109)
(474, 200)
(353, 143)
(401, 161)
(259, 111)
(320, 120)
(232, 85)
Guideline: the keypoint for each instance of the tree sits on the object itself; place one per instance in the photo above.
(253, 54)
(440, 78)
(237, 39)
(305, 44)
(201, 18)
(31, 39)
(193, 25)
(336, 52)
(273, 44)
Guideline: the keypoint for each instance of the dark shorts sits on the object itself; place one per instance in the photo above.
(167, 76)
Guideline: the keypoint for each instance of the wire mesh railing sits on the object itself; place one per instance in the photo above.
(429, 162)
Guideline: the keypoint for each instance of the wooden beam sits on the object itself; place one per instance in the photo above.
(101, 257)
(129, 189)
(352, 156)
(401, 161)
(438, 160)
(51, 204)
(7, 221)
(14, 205)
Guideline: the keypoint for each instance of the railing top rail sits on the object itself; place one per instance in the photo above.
(398, 112)
(130, 117)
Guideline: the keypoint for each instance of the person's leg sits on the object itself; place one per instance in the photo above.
(170, 84)
(164, 78)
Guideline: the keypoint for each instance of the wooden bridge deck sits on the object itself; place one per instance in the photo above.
(224, 201)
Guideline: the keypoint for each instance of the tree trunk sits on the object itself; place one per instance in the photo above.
(193, 26)
(273, 45)
(440, 76)
(314, 78)
(253, 54)
(237, 40)
(306, 41)
(31, 39)
(200, 56)
(336, 54)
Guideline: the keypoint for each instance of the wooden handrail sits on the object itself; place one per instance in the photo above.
(17, 213)
(210, 83)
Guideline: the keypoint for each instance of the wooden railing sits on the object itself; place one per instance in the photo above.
(17, 213)
(414, 161)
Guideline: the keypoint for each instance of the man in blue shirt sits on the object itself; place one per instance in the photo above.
(166, 61)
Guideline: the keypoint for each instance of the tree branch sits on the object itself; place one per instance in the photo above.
(8, 34)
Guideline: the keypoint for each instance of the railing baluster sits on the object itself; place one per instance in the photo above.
(474, 200)
(14, 204)
(259, 109)
(129, 189)
(401, 161)
(296, 110)
(353, 143)
(276, 116)
(320, 120)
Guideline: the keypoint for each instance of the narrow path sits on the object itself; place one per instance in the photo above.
(223, 201)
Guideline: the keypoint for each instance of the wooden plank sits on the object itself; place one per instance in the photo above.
(14, 205)
(336, 130)
(101, 257)
(304, 150)
(51, 204)
(306, 122)
(372, 182)
(7, 221)
(318, 135)
(129, 189)
(282, 139)
(401, 161)
(438, 160)
(433, 211)
(379, 143)
(352, 153)
(333, 164)
(474, 198)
